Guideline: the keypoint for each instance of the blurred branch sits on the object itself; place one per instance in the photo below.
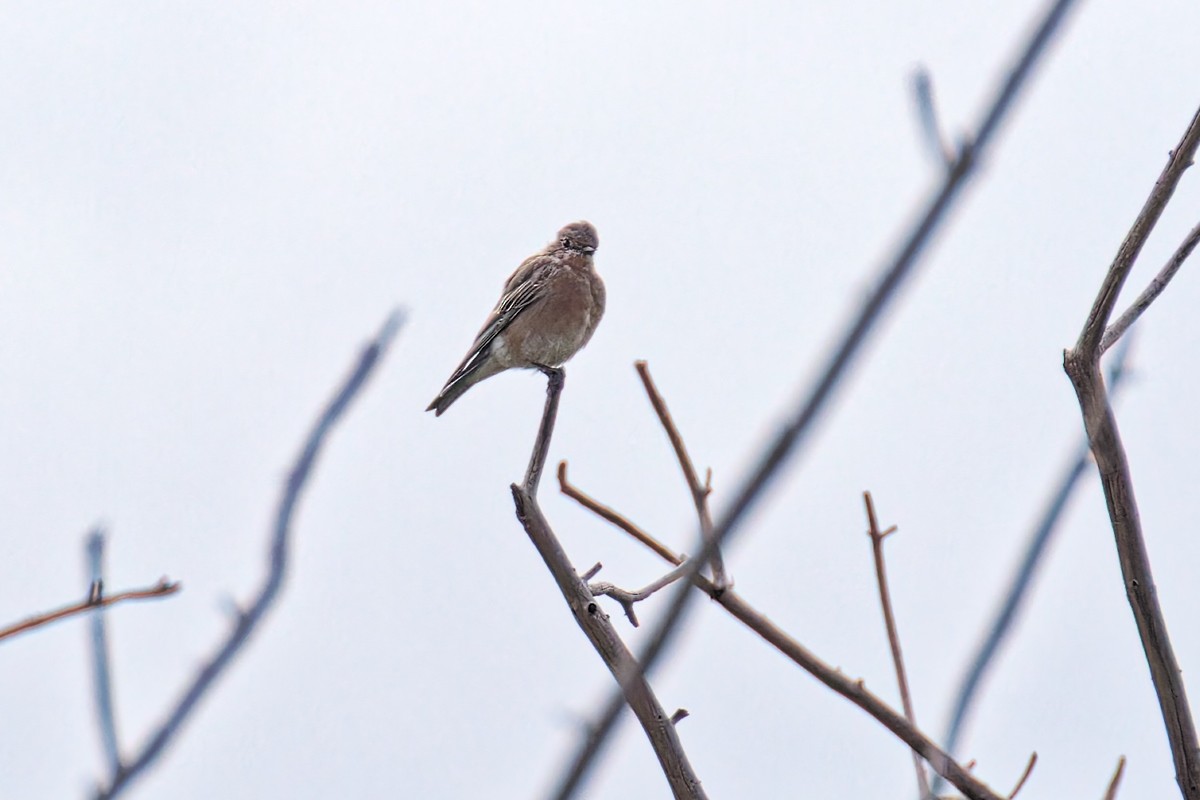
(1022, 580)
(248, 621)
(1151, 292)
(889, 620)
(783, 448)
(927, 116)
(699, 491)
(634, 688)
(95, 600)
(101, 672)
(1082, 364)
(854, 691)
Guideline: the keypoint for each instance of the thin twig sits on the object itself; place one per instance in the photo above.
(634, 688)
(627, 598)
(1082, 364)
(94, 600)
(280, 541)
(1111, 793)
(537, 461)
(1181, 158)
(101, 664)
(699, 491)
(889, 620)
(1151, 292)
(927, 116)
(854, 691)
(612, 516)
(1024, 776)
(1021, 582)
(785, 445)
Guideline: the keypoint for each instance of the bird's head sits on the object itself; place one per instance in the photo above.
(578, 236)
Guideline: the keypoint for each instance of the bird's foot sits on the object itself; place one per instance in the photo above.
(554, 376)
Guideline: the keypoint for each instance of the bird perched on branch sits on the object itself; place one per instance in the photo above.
(549, 310)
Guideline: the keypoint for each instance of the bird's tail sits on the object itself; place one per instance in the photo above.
(458, 384)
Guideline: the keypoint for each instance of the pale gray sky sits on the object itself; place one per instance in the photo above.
(207, 208)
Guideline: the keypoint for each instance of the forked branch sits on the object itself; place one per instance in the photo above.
(635, 689)
(699, 491)
(1082, 364)
(853, 690)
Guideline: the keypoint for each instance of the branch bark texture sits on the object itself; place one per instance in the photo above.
(595, 624)
(1082, 364)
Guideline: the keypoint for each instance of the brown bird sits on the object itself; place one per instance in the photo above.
(549, 310)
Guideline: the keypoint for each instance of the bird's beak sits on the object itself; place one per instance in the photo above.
(589, 250)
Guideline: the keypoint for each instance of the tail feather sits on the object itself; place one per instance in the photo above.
(456, 387)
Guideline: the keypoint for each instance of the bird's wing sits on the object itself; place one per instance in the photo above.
(522, 289)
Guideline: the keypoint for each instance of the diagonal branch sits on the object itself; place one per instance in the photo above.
(1151, 292)
(616, 519)
(1024, 776)
(1111, 793)
(785, 445)
(634, 688)
(889, 620)
(1020, 584)
(854, 691)
(248, 621)
(1181, 158)
(1082, 364)
(700, 492)
(95, 600)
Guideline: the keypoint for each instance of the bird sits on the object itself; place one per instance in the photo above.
(548, 311)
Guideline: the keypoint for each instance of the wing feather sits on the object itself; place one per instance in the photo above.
(522, 289)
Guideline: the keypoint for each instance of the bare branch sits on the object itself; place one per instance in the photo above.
(94, 600)
(634, 688)
(101, 670)
(1024, 776)
(700, 491)
(1022, 580)
(1151, 292)
(783, 448)
(627, 598)
(931, 131)
(612, 516)
(889, 619)
(1111, 793)
(1082, 364)
(280, 541)
(854, 691)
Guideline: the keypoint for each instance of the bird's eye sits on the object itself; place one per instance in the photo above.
(565, 242)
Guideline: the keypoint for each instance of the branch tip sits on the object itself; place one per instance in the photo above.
(1024, 776)
(1111, 793)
